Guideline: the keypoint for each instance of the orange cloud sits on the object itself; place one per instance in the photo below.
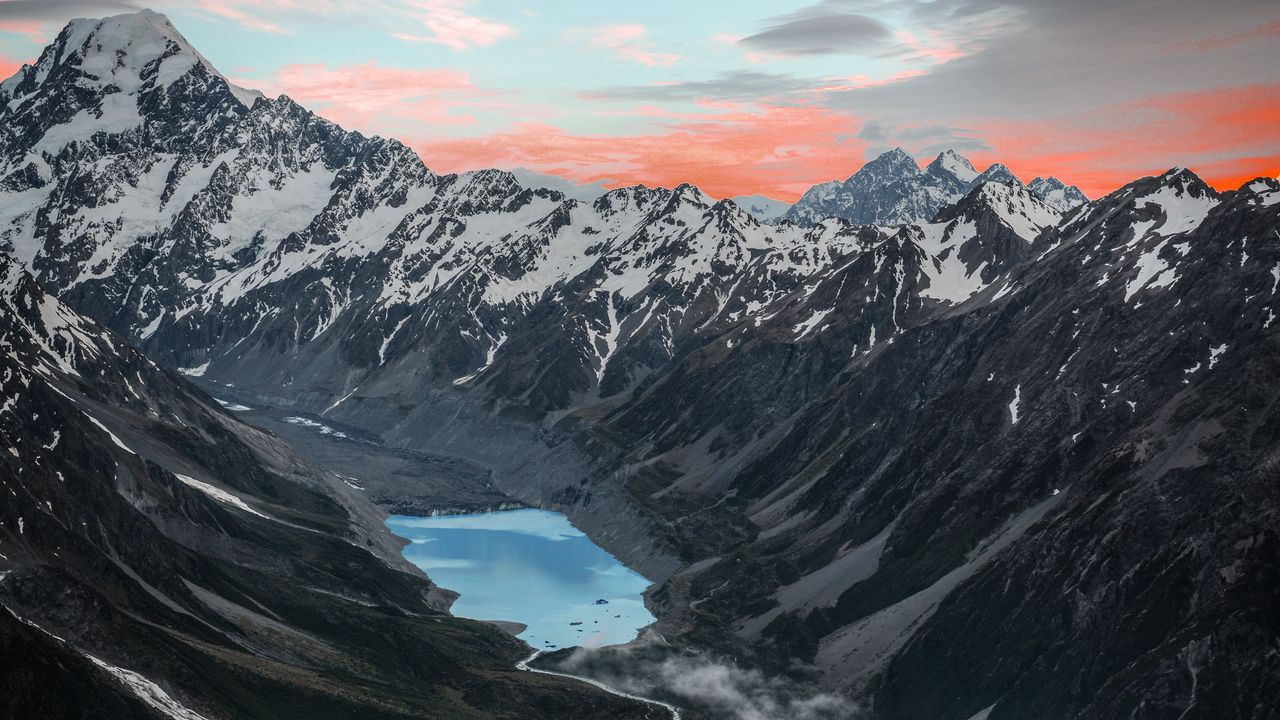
(774, 151)
(364, 96)
(1225, 134)
(32, 29)
(8, 67)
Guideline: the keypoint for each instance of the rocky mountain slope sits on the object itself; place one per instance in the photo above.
(1012, 460)
(160, 559)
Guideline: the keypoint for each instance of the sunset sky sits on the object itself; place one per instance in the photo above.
(755, 97)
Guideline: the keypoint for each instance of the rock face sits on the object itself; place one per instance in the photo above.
(966, 447)
(892, 189)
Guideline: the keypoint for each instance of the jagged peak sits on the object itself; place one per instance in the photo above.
(953, 164)
(488, 177)
(1013, 205)
(688, 192)
(1057, 194)
(728, 209)
(629, 196)
(1178, 180)
(1261, 184)
(1179, 176)
(894, 162)
(114, 50)
(998, 173)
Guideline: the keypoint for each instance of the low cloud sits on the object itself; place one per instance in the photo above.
(748, 694)
(716, 689)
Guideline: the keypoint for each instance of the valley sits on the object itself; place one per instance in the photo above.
(929, 443)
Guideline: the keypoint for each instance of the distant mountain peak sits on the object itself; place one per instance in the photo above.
(1057, 194)
(954, 165)
(999, 173)
(1014, 205)
(896, 163)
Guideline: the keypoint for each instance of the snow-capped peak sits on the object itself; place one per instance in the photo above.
(1013, 205)
(998, 173)
(1057, 194)
(953, 164)
(894, 164)
(124, 53)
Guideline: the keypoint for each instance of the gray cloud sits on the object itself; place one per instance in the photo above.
(921, 141)
(826, 28)
(735, 85)
(874, 131)
(60, 10)
(1044, 57)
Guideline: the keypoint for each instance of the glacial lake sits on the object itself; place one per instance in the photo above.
(532, 567)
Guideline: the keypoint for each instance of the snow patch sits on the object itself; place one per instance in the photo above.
(148, 692)
(218, 494)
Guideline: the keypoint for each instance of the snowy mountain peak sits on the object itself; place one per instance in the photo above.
(999, 173)
(953, 165)
(1057, 194)
(895, 163)
(891, 190)
(1015, 206)
(686, 192)
(1182, 178)
(125, 53)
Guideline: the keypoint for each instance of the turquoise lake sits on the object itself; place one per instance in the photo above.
(532, 567)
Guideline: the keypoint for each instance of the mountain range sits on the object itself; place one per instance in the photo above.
(950, 445)
(892, 189)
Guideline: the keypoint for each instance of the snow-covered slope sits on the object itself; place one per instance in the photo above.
(224, 235)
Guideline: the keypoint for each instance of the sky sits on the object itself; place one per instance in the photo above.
(742, 97)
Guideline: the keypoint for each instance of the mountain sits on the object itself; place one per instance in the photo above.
(764, 209)
(892, 189)
(158, 557)
(1057, 194)
(1007, 461)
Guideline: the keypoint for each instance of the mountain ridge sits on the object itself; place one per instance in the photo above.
(892, 189)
